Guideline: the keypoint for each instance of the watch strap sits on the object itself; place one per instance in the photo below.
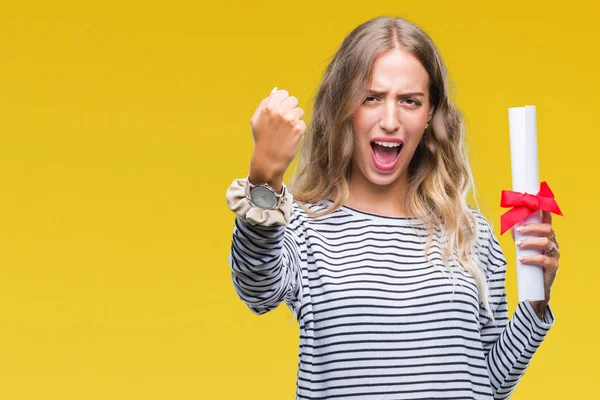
(238, 202)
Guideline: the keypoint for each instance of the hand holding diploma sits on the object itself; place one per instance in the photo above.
(537, 247)
(547, 245)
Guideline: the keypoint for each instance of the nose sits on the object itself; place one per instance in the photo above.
(390, 119)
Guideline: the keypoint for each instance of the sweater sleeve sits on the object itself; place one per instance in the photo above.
(265, 264)
(509, 344)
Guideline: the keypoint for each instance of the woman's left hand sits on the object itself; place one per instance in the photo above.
(547, 244)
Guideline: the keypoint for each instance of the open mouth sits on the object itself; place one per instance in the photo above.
(386, 154)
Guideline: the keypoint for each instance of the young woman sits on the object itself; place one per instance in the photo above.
(397, 284)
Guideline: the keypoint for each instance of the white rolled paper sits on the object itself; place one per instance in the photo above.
(525, 179)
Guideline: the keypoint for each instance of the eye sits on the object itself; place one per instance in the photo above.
(370, 99)
(413, 102)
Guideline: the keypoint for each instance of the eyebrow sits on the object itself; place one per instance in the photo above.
(376, 92)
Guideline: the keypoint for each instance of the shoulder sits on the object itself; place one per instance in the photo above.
(483, 226)
(304, 213)
(314, 211)
(303, 208)
(487, 245)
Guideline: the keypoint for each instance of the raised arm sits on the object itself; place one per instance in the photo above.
(264, 256)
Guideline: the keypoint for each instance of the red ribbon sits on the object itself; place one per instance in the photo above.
(525, 204)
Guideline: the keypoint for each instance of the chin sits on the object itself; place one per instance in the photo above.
(383, 179)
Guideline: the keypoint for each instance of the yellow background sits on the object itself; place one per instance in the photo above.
(123, 123)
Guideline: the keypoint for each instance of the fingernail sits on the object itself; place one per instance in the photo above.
(519, 243)
(521, 259)
(521, 229)
(274, 90)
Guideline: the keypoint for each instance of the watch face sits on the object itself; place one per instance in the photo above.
(263, 197)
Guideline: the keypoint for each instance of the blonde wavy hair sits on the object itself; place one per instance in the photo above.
(439, 173)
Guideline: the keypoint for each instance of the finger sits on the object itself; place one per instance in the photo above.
(289, 103)
(298, 112)
(550, 264)
(512, 233)
(542, 229)
(290, 118)
(537, 243)
(301, 127)
(277, 98)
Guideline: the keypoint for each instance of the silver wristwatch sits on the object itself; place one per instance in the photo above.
(264, 196)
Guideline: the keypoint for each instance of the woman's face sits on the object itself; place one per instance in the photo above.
(390, 123)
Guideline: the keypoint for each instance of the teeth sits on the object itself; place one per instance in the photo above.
(389, 144)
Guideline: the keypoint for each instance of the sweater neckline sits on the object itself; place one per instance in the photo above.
(413, 220)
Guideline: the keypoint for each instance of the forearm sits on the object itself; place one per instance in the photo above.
(515, 347)
(257, 265)
(264, 257)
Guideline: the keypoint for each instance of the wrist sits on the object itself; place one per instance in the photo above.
(539, 307)
(261, 173)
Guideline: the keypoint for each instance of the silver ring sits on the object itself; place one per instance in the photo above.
(551, 249)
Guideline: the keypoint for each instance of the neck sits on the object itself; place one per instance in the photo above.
(389, 200)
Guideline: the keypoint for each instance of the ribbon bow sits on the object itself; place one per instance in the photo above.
(525, 204)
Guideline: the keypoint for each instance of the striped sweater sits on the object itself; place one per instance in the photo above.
(377, 320)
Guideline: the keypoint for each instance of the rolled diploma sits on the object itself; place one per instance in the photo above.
(525, 179)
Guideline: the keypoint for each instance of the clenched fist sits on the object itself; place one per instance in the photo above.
(277, 128)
